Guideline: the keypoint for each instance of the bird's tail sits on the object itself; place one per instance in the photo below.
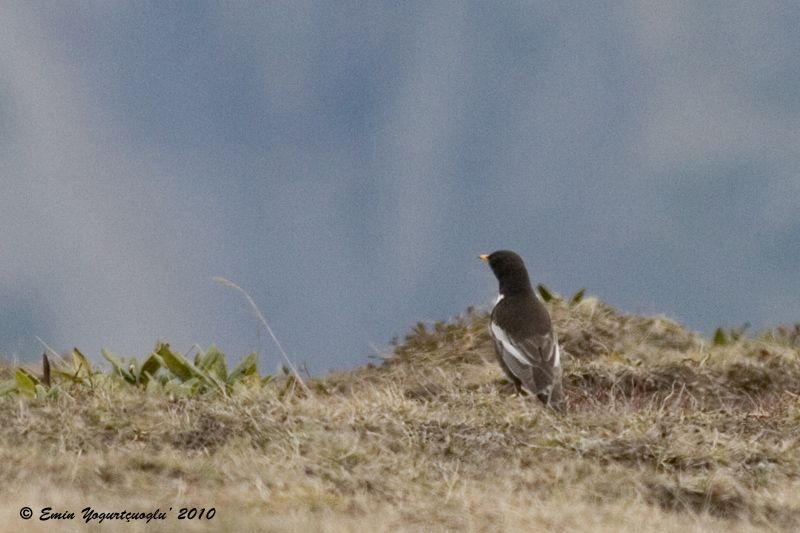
(555, 402)
(553, 396)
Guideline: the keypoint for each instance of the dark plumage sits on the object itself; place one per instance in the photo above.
(524, 340)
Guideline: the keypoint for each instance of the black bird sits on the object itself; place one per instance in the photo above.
(524, 340)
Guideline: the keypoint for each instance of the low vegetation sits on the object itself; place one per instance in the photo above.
(665, 431)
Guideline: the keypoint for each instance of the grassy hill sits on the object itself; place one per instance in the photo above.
(665, 431)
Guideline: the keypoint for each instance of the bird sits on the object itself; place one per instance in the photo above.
(525, 343)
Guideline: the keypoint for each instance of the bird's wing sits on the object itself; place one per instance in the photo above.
(535, 360)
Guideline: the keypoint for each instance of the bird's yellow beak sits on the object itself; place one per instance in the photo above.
(484, 257)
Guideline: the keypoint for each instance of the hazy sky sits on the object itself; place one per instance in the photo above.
(345, 162)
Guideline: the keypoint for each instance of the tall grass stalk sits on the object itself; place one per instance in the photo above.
(228, 283)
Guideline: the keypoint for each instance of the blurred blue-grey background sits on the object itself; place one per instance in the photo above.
(345, 162)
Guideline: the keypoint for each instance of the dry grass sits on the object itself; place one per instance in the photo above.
(664, 432)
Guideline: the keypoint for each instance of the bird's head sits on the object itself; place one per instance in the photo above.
(509, 269)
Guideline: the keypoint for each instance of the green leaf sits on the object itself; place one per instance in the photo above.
(214, 363)
(544, 292)
(577, 297)
(115, 361)
(176, 363)
(208, 380)
(41, 392)
(26, 382)
(81, 362)
(67, 375)
(119, 366)
(150, 367)
(184, 370)
(246, 367)
(720, 339)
